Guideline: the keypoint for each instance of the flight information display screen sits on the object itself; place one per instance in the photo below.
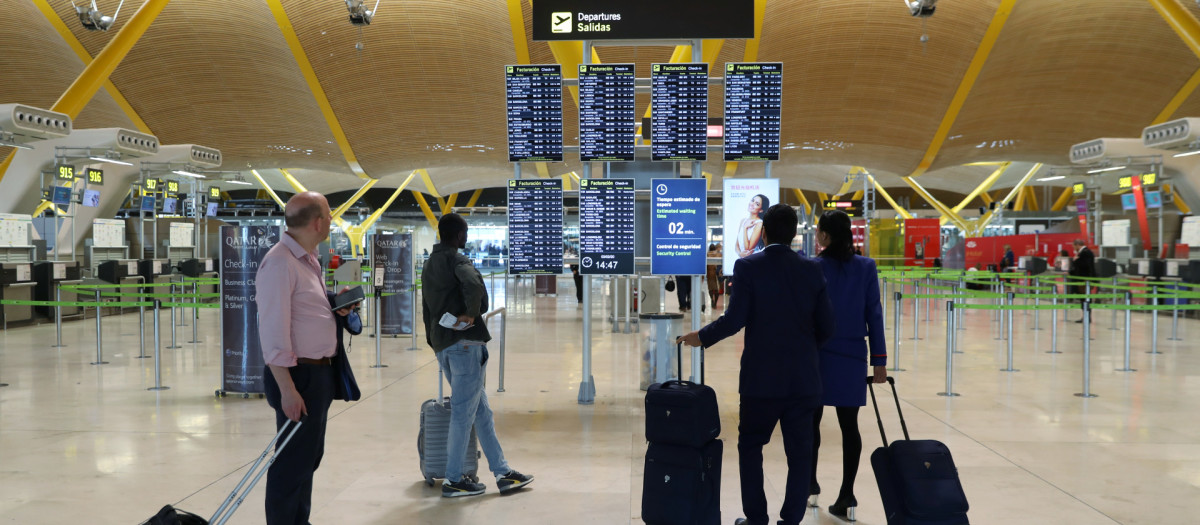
(535, 112)
(679, 114)
(606, 112)
(606, 230)
(535, 226)
(753, 102)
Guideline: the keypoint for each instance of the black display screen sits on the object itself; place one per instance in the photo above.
(535, 109)
(753, 102)
(606, 226)
(679, 112)
(606, 112)
(641, 19)
(535, 226)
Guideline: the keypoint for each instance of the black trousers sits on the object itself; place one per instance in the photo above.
(758, 419)
(851, 447)
(290, 479)
(683, 289)
(579, 287)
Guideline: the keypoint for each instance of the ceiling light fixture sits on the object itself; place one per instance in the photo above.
(1188, 153)
(186, 173)
(1056, 177)
(239, 181)
(110, 161)
(1101, 170)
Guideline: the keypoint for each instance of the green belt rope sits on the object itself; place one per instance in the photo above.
(350, 283)
(161, 295)
(1145, 307)
(986, 306)
(189, 305)
(115, 286)
(940, 296)
(937, 287)
(93, 304)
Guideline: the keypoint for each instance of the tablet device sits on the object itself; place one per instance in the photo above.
(348, 298)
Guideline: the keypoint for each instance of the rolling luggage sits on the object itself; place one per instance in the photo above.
(681, 484)
(433, 436)
(169, 515)
(682, 412)
(918, 482)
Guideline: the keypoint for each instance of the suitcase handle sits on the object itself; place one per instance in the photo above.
(679, 361)
(874, 403)
(235, 498)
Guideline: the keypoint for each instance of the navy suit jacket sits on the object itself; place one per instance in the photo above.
(779, 297)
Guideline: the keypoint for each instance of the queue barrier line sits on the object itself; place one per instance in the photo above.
(946, 296)
(1146, 307)
(88, 304)
(1069, 296)
(92, 287)
(188, 305)
(986, 306)
(162, 295)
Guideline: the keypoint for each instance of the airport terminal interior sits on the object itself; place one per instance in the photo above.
(612, 160)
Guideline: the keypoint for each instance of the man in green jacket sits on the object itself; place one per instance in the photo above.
(451, 284)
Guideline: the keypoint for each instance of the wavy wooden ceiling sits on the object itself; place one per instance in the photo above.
(425, 90)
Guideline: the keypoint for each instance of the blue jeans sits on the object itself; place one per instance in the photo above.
(463, 366)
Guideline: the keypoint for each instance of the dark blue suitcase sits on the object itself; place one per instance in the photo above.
(682, 412)
(682, 485)
(918, 482)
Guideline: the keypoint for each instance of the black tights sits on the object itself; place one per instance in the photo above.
(851, 446)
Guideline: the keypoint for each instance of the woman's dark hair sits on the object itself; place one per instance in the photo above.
(766, 203)
(836, 224)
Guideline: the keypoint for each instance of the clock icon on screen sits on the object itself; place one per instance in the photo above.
(587, 262)
(662, 189)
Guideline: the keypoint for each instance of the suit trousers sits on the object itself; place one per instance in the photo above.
(758, 419)
(290, 479)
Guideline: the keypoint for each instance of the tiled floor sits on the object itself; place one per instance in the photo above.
(89, 444)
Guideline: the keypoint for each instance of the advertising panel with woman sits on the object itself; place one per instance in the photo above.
(744, 202)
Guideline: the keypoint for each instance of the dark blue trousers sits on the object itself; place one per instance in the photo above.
(289, 481)
(758, 419)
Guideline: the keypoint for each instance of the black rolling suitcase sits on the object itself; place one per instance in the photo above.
(682, 412)
(169, 515)
(918, 482)
(681, 484)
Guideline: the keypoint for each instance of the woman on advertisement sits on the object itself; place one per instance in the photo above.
(749, 233)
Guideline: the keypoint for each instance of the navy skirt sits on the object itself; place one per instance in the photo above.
(844, 372)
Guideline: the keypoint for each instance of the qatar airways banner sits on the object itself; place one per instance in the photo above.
(394, 254)
(744, 203)
(242, 249)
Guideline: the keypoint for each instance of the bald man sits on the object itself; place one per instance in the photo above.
(299, 336)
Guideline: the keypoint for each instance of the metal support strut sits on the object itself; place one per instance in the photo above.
(1087, 350)
(157, 353)
(99, 346)
(896, 334)
(1128, 315)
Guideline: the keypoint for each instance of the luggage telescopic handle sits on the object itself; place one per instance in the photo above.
(679, 360)
(874, 403)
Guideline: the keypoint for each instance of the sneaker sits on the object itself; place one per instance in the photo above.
(512, 481)
(463, 487)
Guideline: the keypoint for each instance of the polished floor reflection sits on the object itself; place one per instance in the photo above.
(83, 443)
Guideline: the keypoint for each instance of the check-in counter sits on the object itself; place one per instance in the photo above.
(16, 284)
(49, 276)
(200, 268)
(1032, 265)
(121, 271)
(1148, 268)
(155, 270)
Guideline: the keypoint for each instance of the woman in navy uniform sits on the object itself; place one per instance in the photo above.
(854, 291)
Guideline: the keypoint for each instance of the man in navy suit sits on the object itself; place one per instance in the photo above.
(782, 304)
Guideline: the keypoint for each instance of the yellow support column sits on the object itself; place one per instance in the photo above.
(1179, 203)
(987, 218)
(984, 186)
(1031, 201)
(99, 69)
(341, 210)
(1063, 199)
(429, 216)
(808, 209)
(886, 196)
(941, 208)
(267, 188)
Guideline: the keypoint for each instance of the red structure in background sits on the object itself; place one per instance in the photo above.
(858, 230)
(922, 241)
(982, 251)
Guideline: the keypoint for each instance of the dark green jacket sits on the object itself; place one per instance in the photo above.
(450, 283)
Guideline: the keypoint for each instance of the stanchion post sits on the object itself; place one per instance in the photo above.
(504, 339)
(896, 333)
(157, 353)
(378, 348)
(1128, 323)
(1010, 368)
(174, 345)
(1087, 350)
(1154, 324)
(1175, 319)
(628, 304)
(99, 345)
(141, 331)
(1054, 327)
(195, 311)
(58, 317)
(916, 312)
(950, 335)
(1037, 314)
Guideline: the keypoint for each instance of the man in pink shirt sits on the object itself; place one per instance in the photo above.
(298, 336)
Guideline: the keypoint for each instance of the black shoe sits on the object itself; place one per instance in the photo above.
(512, 481)
(464, 487)
(1079, 321)
(844, 508)
(814, 489)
